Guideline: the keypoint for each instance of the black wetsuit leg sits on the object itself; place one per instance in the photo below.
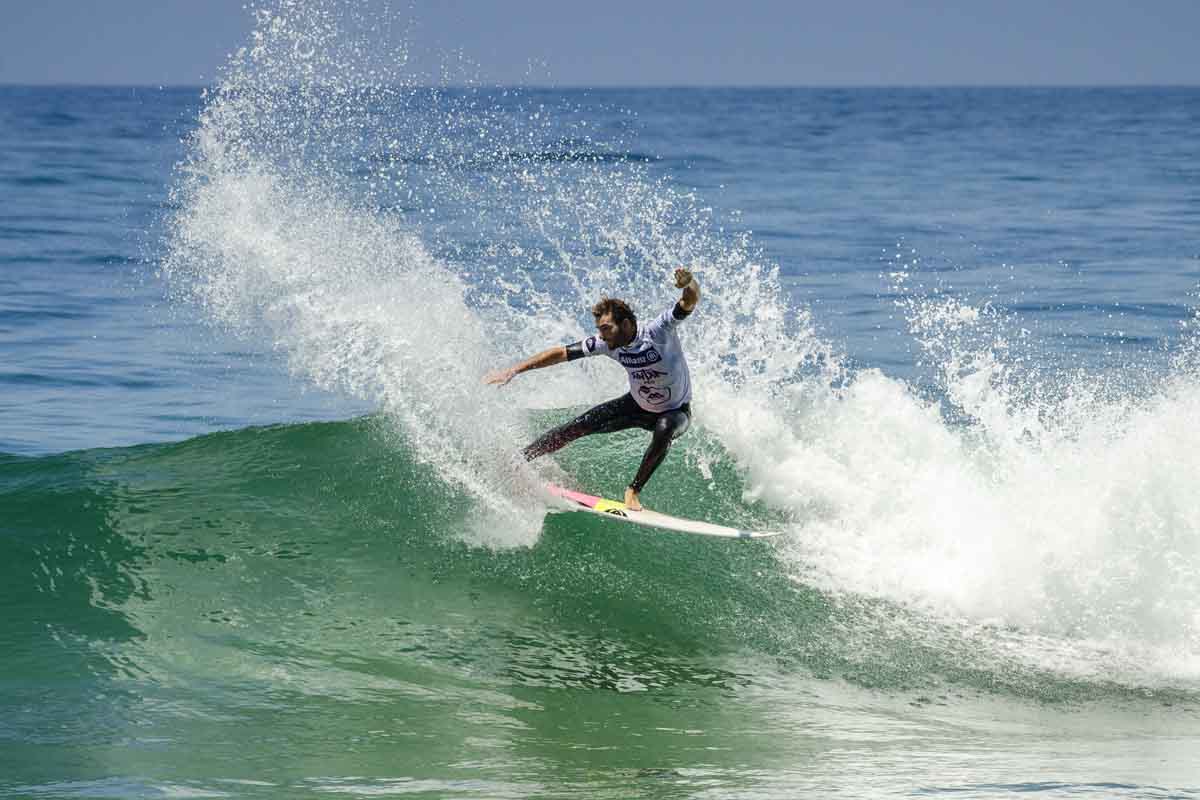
(615, 415)
(667, 426)
(618, 415)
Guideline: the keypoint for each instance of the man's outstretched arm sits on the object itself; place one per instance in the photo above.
(691, 290)
(546, 358)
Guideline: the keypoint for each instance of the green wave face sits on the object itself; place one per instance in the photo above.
(312, 584)
(307, 535)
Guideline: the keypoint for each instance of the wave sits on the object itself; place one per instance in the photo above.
(1011, 529)
(176, 557)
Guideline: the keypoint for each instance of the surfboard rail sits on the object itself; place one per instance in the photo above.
(615, 509)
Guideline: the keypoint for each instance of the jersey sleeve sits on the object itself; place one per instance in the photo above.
(591, 346)
(667, 320)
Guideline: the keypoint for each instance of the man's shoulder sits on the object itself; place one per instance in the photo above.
(664, 323)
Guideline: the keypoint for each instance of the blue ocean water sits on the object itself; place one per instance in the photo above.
(1074, 209)
(262, 535)
(92, 357)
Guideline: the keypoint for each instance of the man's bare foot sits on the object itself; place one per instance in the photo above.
(631, 499)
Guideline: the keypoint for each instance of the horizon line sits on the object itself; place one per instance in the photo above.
(645, 87)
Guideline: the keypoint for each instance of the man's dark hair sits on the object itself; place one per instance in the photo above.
(619, 309)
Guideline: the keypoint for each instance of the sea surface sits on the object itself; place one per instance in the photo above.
(263, 531)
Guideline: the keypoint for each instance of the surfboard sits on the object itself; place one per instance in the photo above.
(614, 509)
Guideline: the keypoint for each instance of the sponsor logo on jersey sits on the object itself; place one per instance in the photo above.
(589, 344)
(642, 359)
(646, 374)
(655, 395)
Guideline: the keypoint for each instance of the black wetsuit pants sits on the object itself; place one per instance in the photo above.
(618, 415)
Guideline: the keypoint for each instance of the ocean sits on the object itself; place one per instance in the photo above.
(264, 533)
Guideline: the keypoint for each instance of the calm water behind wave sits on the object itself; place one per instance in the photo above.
(1074, 209)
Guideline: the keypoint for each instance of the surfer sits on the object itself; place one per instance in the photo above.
(660, 386)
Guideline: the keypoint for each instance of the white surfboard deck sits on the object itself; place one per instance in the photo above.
(613, 509)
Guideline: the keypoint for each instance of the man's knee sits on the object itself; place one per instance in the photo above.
(671, 425)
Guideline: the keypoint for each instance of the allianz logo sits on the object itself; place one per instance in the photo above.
(642, 359)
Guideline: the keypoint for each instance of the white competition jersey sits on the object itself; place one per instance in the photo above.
(658, 373)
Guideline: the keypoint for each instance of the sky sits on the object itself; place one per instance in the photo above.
(648, 43)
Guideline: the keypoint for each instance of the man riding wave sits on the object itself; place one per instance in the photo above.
(660, 386)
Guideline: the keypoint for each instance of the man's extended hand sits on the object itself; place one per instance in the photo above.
(500, 376)
(546, 358)
(691, 290)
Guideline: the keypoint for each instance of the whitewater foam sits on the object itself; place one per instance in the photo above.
(1065, 510)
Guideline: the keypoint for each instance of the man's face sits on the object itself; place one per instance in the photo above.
(612, 334)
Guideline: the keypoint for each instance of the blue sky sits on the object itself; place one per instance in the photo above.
(664, 42)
